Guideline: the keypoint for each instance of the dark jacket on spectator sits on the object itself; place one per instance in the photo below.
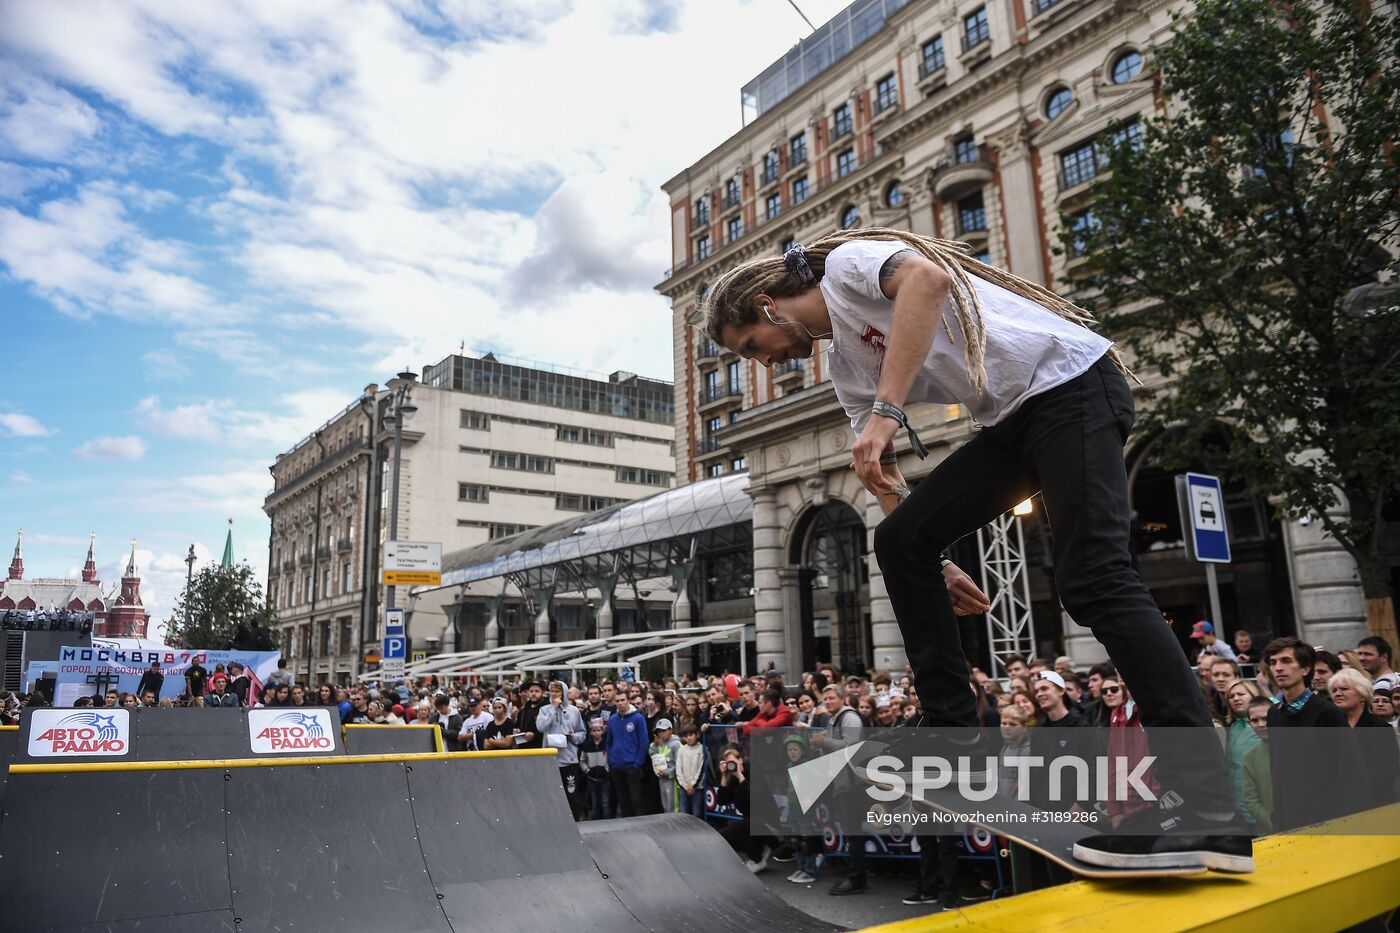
(1052, 739)
(1318, 774)
(1381, 753)
(525, 722)
(151, 680)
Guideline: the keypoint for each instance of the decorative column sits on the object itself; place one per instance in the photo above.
(493, 620)
(1327, 599)
(544, 595)
(681, 610)
(606, 584)
(769, 629)
(1013, 165)
(791, 664)
(887, 644)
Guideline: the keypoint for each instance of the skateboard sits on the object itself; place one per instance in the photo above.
(1044, 832)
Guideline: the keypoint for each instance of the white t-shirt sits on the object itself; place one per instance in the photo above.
(1030, 349)
(472, 725)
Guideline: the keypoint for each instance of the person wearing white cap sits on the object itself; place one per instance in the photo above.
(1055, 736)
(663, 749)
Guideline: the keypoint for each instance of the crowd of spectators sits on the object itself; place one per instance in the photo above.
(628, 748)
(47, 620)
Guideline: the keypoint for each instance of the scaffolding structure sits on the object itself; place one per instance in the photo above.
(1010, 629)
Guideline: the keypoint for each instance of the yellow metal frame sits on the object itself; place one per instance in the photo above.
(437, 733)
(1322, 880)
(9, 728)
(221, 763)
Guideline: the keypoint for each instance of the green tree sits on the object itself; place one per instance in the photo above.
(223, 608)
(1228, 240)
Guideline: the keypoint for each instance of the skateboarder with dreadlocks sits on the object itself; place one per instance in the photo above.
(914, 319)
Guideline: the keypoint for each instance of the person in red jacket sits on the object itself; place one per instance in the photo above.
(772, 713)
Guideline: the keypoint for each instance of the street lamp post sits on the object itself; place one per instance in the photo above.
(401, 410)
(189, 583)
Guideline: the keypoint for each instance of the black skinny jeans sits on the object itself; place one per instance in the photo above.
(1067, 444)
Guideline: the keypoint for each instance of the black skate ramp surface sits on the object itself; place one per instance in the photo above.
(676, 874)
(453, 843)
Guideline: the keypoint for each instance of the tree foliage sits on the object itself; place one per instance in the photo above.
(223, 608)
(1227, 242)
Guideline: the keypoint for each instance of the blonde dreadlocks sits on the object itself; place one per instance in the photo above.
(731, 300)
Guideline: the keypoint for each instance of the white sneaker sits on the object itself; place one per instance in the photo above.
(801, 877)
(794, 876)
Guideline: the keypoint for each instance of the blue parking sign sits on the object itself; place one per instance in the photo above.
(1205, 502)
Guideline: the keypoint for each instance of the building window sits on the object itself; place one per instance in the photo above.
(972, 214)
(714, 469)
(1081, 226)
(346, 577)
(787, 244)
(738, 465)
(886, 93)
(975, 30)
(797, 149)
(471, 492)
(770, 167)
(733, 229)
(841, 123)
(773, 206)
(965, 149)
(1040, 6)
(530, 463)
(1078, 165)
(845, 163)
(731, 193)
(476, 420)
(504, 530)
(799, 190)
(326, 583)
(1059, 99)
(734, 381)
(569, 502)
(894, 195)
(932, 57)
(984, 257)
(712, 425)
(702, 211)
(1130, 134)
(1127, 66)
(576, 435)
(644, 477)
(850, 217)
(702, 248)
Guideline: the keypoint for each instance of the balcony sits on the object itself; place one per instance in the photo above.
(700, 221)
(885, 106)
(323, 552)
(933, 71)
(976, 47)
(289, 565)
(709, 445)
(732, 199)
(304, 560)
(769, 176)
(972, 227)
(788, 371)
(956, 179)
(797, 157)
(841, 128)
(344, 546)
(706, 351)
(719, 395)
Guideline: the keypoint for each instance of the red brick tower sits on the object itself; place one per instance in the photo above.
(126, 618)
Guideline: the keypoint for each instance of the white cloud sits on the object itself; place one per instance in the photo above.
(20, 477)
(39, 120)
(384, 161)
(17, 424)
(164, 366)
(220, 421)
(111, 448)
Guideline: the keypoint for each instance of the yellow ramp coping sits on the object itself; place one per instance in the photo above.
(1327, 879)
(78, 767)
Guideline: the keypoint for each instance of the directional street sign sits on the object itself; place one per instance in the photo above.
(1206, 504)
(412, 563)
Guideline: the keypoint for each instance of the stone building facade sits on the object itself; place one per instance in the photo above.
(978, 120)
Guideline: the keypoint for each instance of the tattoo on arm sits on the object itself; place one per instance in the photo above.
(891, 266)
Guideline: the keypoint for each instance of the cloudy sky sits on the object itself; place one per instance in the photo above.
(219, 221)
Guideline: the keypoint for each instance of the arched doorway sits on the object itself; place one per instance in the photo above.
(828, 550)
